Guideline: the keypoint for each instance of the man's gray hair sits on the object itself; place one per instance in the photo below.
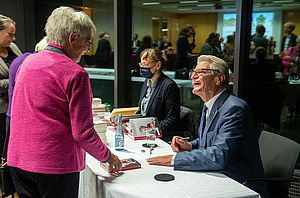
(4, 20)
(217, 64)
(65, 20)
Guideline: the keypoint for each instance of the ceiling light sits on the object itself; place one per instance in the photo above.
(205, 5)
(151, 3)
(188, 1)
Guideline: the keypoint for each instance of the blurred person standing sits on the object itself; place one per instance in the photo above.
(212, 45)
(102, 53)
(51, 115)
(135, 43)
(159, 94)
(164, 44)
(258, 39)
(184, 53)
(291, 63)
(228, 52)
(8, 52)
(290, 39)
(147, 42)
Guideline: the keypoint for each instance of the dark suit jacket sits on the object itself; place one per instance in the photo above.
(260, 41)
(292, 42)
(102, 53)
(182, 59)
(138, 44)
(164, 104)
(229, 143)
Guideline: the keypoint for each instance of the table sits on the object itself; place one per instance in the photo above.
(140, 183)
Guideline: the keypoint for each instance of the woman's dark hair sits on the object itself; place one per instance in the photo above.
(260, 53)
(156, 55)
(212, 36)
(186, 30)
(260, 29)
(146, 42)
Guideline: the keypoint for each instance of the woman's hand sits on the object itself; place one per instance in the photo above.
(115, 164)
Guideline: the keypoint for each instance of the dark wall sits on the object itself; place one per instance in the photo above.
(43, 9)
(31, 17)
(22, 12)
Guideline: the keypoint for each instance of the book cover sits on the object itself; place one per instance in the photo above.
(142, 127)
(127, 164)
(124, 111)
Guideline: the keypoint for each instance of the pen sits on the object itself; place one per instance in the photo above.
(185, 138)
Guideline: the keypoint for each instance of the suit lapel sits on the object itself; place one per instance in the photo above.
(214, 111)
(156, 90)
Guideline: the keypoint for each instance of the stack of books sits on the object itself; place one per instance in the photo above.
(100, 126)
(99, 111)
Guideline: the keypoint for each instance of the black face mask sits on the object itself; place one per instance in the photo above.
(146, 73)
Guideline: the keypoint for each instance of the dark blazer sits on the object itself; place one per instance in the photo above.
(164, 104)
(260, 41)
(4, 74)
(182, 59)
(229, 143)
(102, 53)
(138, 44)
(292, 42)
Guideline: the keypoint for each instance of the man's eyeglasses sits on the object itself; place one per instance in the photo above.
(145, 65)
(200, 72)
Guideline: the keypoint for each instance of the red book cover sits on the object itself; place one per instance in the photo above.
(130, 163)
(127, 164)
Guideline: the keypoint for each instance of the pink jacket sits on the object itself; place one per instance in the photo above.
(51, 119)
(292, 52)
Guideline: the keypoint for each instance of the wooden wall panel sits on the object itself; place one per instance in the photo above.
(291, 16)
(204, 24)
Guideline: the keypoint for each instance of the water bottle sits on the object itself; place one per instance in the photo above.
(119, 137)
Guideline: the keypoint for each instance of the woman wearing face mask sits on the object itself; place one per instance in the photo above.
(159, 95)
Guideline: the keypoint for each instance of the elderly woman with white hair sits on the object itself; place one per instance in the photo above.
(8, 52)
(51, 116)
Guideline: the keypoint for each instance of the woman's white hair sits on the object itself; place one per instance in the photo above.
(217, 64)
(41, 45)
(4, 20)
(65, 20)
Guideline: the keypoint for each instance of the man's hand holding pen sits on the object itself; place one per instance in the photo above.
(179, 144)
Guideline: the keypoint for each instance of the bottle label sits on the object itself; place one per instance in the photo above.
(119, 143)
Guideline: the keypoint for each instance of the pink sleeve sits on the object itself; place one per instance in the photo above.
(81, 117)
(285, 62)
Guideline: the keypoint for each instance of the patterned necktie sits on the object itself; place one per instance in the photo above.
(202, 123)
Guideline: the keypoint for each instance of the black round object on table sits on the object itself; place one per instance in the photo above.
(148, 145)
(164, 177)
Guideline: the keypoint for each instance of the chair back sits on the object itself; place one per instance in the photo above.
(188, 123)
(279, 154)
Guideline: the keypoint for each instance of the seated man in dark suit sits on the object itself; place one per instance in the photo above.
(228, 141)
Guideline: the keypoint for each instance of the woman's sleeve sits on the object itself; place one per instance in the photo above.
(172, 108)
(81, 117)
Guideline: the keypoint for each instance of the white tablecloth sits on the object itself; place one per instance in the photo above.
(140, 183)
